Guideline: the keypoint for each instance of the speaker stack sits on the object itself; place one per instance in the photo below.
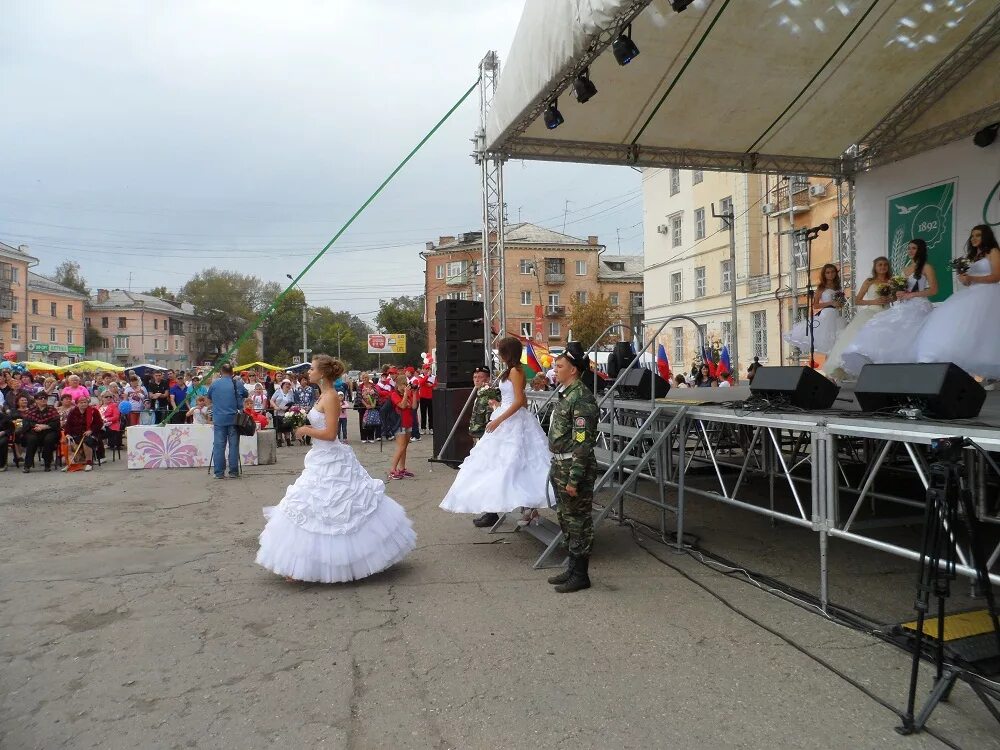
(459, 337)
(799, 386)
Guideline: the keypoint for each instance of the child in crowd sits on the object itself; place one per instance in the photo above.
(200, 414)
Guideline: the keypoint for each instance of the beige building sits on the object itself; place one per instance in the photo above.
(138, 328)
(55, 325)
(545, 273)
(14, 265)
(689, 268)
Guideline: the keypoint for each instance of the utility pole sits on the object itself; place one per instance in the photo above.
(730, 219)
(305, 320)
(565, 211)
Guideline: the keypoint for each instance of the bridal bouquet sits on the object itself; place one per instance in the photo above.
(295, 417)
(960, 265)
(839, 299)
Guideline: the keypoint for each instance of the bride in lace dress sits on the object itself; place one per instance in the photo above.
(335, 523)
(867, 304)
(825, 324)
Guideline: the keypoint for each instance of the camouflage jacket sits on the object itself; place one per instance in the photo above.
(573, 428)
(481, 410)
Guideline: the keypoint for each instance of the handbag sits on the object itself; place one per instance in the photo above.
(372, 418)
(245, 426)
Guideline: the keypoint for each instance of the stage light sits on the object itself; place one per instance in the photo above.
(679, 5)
(624, 48)
(987, 135)
(584, 87)
(553, 117)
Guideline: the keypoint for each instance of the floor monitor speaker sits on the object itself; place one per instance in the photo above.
(798, 386)
(639, 383)
(939, 389)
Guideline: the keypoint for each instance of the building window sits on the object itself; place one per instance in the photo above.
(581, 297)
(121, 342)
(104, 322)
(725, 207)
(14, 274)
(15, 302)
(15, 332)
(679, 347)
(69, 335)
(177, 345)
(697, 176)
(637, 302)
(675, 181)
(581, 268)
(613, 299)
(699, 281)
(553, 300)
(52, 334)
(758, 327)
(675, 287)
(34, 307)
(555, 331)
(727, 276)
(699, 223)
(675, 230)
(476, 268)
(69, 312)
(440, 297)
(727, 332)
(53, 309)
(34, 333)
(156, 324)
(104, 344)
(526, 297)
(439, 271)
(799, 252)
(156, 345)
(526, 330)
(526, 266)
(456, 268)
(122, 323)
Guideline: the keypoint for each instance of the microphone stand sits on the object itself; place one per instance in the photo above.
(809, 234)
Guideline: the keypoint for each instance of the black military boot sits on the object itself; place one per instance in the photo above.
(565, 575)
(578, 578)
(486, 520)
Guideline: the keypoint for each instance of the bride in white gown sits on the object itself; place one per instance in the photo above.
(335, 522)
(509, 467)
(826, 322)
(963, 328)
(867, 303)
(891, 335)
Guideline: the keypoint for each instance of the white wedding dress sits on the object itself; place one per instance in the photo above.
(335, 523)
(834, 364)
(891, 335)
(826, 325)
(963, 328)
(507, 469)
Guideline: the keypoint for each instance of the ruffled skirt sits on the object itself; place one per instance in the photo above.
(507, 469)
(826, 325)
(335, 522)
(890, 336)
(834, 364)
(963, 330)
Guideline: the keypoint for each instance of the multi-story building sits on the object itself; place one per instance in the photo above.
(14, 265)
(690, 268)
(545, 273)
(55, 322)
(139, 328)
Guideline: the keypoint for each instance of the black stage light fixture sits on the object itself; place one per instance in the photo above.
(679, 5)
(624, 48)
(584, 87)
(553, 117)
(987, 135)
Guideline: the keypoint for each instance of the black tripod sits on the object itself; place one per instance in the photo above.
(949, 511)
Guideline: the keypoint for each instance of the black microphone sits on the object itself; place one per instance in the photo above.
(820, 228)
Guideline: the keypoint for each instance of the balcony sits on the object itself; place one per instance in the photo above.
(791, 198)
(555, 277)
(555, 311)
(459, 279)
(121, 351)
(637, 308)
(6, 313)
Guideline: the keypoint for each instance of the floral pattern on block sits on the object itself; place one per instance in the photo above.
(173, 453)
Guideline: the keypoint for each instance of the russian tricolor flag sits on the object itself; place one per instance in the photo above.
(662, 363)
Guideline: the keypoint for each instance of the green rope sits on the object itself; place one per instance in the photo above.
(277, 300)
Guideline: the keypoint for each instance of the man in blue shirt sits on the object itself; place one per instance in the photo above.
(226, 395)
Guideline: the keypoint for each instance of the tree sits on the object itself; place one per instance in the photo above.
(587, 320)
(283, 329)
(341, 334)
(405, 315)
(92, 339)
(247, 352)
(160, 292)
(68, 274)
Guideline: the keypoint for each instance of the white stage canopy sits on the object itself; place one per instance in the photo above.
(820, 87)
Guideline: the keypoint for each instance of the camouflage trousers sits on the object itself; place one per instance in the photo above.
(575, 513)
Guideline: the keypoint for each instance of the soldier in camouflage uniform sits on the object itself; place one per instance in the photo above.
(481, 411)
(572, 435)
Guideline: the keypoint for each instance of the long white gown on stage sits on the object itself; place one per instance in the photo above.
(335, 522)
(891, 335)
(507, 469)
(834, 364)
(963, 328)
(826, 325)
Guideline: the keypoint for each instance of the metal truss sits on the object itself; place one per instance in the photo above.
(888, 135)
(845, 241)
(491, 164)
(546, 149)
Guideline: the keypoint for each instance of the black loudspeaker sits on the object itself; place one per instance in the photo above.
(458, 309)
(798, 386)
(458, 374)
(638, 384)
(940, 389)
(460, 330)
(446, 406)
(456, 360)
(620, 358)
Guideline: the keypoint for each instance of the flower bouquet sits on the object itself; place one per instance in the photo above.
(960, 265)
(839, 298)
(889, 288)
(295, 417)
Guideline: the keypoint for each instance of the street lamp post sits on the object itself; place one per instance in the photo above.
(305, 333)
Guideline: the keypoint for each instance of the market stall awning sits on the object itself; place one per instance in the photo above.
(790, 86)
(253, 365)
(89, 365)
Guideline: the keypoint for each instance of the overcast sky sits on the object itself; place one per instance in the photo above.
(150, 140)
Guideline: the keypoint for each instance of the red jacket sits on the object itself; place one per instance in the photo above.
(78, 422)
(425, 383)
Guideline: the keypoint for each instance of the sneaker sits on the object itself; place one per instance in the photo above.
(220, 476)
(88, 467)
(234, 476)
(395, 475)
(406, 473)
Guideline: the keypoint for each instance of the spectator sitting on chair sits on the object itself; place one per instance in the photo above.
(41, 430)
(83, 426)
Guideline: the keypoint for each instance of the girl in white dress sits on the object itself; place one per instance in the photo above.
(891, 335)
(509, 467)
(962, 329)
(826, 322)
(335, 522)
(867, 303)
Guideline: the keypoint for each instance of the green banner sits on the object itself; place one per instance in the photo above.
(928, 213)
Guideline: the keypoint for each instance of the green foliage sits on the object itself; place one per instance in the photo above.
(68, 274)
(92, 339)
(160, 292)
(405, 315)
(587, 320)
(247, 352)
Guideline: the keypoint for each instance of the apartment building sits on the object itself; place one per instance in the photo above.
(545, 273)
(138, 328)
(14, 265)
(55, 322)
(690, 268)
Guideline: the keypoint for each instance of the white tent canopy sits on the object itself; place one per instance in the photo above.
(790, 86)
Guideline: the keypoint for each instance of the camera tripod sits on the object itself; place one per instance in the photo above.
(949, 511)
